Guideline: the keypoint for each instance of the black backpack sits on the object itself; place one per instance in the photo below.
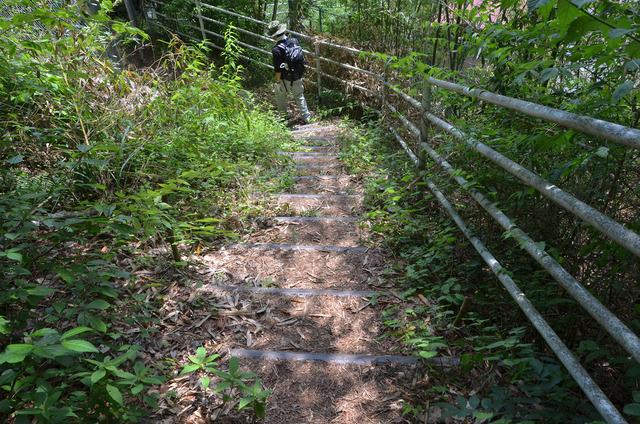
(294, 57)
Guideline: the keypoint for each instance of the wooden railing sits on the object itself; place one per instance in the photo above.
(381, 93)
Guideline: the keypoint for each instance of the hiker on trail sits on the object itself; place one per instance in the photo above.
(288, 65)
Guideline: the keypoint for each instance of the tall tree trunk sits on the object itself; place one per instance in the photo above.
(449, 47)
(295, 7)
(456, 56)
(398, 29)
(436, 37)
(274, 15)
(359, 35)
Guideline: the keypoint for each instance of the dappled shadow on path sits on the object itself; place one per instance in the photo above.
(299, 269)
(302, 391)
(203, 311)
(331, 393)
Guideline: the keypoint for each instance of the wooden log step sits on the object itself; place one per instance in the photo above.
(301, 247)
(325, 197)
(292, 292)
(318, 166)
(341, 358)
(319, 149)
(322, 155)
(318, 177)
(311, 230)
(335, 358)
(309, 219)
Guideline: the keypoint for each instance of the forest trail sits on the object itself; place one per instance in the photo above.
(157, 253)
(316, 338)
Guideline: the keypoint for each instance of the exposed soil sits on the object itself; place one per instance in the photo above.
(308, 324)
(277, 268)
(318, 133)
(305, 169)
(326, 149)
(326, 393)
(315, 232)
(328, 185)
(339, 205)
(315, 159)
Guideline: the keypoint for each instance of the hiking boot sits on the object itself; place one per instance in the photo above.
(310, 119)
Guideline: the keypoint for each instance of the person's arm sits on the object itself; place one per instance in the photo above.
(278, 59)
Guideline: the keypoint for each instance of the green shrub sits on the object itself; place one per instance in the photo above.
(99, 164)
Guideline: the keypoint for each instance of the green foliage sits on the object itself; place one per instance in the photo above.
(579, 56)
(633, 409)
(99, 165)
(513, 380)
(234, 382)
(357, 147)
(200, 361)
(40, 394)
(179, 17)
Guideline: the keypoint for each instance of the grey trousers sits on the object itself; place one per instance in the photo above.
(284, 89)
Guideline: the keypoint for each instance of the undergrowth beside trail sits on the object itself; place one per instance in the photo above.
(109, 179)
(454, 306)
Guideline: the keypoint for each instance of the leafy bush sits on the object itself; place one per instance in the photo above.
(100, 164)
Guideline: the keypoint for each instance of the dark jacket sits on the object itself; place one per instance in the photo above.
(280, 60)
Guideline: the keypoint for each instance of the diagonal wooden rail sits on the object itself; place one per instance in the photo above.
(610, 131)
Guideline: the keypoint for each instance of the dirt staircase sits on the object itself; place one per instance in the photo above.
(305, 280)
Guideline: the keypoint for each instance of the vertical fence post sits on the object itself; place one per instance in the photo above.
(199, 11)
(424, 124)
(316, 43)
(383, 87)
